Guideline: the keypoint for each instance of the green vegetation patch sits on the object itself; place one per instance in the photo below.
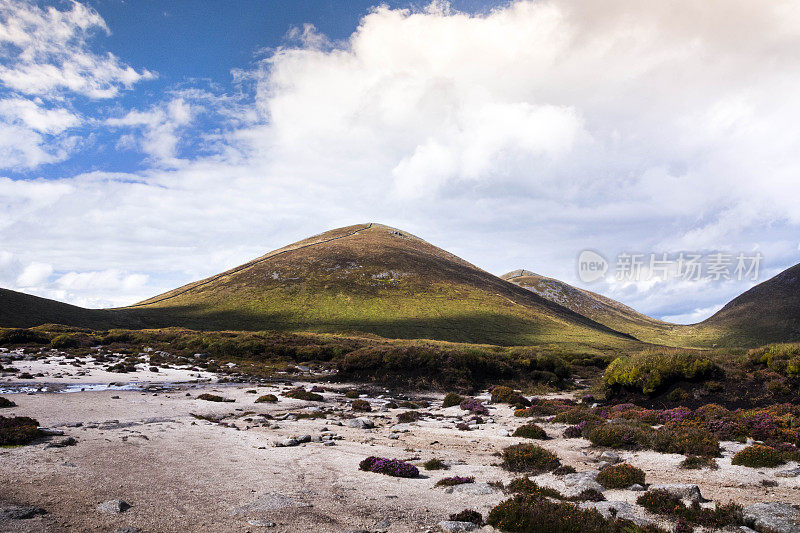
(530, 431)
(620, 476)
(529, 458)
(267, 398)
(759, 456)
(18, 430)
(649, 372)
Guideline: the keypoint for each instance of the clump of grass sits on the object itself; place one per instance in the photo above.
(529, 458)
(696, 462)
(454, 480)
(759, 456)
(361, 405)
(302, 394)
(620, 476)
(525, 485)
(267, 398)
(666, 504)
(468, 515)
(408, 405)
(627, 434)
(389, 467)
(452, 399)
(649, 372)
(530, 431)
(214, 398)
(18, 430)
(5, 402)
(435, 464)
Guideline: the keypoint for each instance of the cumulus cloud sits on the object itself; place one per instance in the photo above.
(514, 138)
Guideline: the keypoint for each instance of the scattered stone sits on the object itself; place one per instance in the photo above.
(773, 517)
(361, 423)
(50, 432)
(453, 526)
(283, 443)
(473, 489)
(792, 472)
(684, 491)
(580, 481)
(261, 523)
(20, 512)
(114, 506)
(610, 457)
(128, 529)
(636, 488)
(62, 443)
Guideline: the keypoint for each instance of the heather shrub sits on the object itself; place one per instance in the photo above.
(301, 394)
(529, 458)
(474, 406)
(468, 515)
(22, 336)
(759, 456)
(589, 495)
(530, 431)
(651, 371)
(389, 467)
(576, 415)
(574, 432)
(533, 514)
(525, 485)
(545, 407)
(687, 437)
(454, 480)
(267, 398)
(5, 402)
(696, 462)
(563, 470)
(503, 394)
(351, 394)
(628, 435)
(17, 430)
(452, 399)
(408, 417)
(360, 405)
(724, 424)
(213, 398)
(435, 464)
(666, 504)
(620, 476)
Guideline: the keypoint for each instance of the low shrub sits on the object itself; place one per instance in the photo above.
(213, 398)
(576, 415)
(435, 464)
(563, 470)
(687, 437)
(351, 394)
(529, 458)
(696, 462)
(18, 430)
(267, 398)
(22, 336)
(5, 402)
(468, 515)
(408, 417)
(503, 394)
(525, 485)
(389, 467)
(408, 405)
(361, 405)
(301, 394)
(589, 495)
(530, 431)
(649, 372)
(759, 456)
(620, 476)
(664, 503)
(454, 480)
(533, 514)
(474, 406)
(574, 432)
(452, 399)
(622, 434)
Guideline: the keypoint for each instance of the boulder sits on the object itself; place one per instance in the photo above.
(623, 510)
(114, 506)
(685, 491)
(473, 489)
(581, 481)
(361, 422)
(453, 526)
(773, 517)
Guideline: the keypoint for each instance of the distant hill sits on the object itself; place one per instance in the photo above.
(595, 306)
(20, 310)
(767, 313)
(374, 279)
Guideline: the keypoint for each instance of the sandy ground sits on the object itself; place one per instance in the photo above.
(180, 473)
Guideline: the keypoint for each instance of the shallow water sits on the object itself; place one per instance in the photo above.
(26, 388)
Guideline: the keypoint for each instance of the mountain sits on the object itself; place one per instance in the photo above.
(769, 312)
(20, 310)
(599, 308)
(371, 278)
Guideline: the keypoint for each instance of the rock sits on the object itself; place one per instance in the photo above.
(473, 489)
(62, 443)
(283, 443)
(581, 481)
(360, 423)
(50, 432)
(383, 525)
(623, 510)
(128, 529)
(261, 523)
(20, 513)
(636, 488)
(792, 472)
(504, 433)
(114, 506)
(610, 457)
(773, 517)
(303, 439)
(684, 491)
(452, 526)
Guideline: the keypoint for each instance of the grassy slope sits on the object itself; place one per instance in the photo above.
(602, 309)
(372, 279)
(21, 310)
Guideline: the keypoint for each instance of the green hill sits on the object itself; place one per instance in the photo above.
(20, 310)
(375, 279)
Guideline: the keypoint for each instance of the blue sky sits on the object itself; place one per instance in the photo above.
(146, 144)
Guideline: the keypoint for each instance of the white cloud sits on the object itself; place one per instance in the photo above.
(514, 138)
(34, 274)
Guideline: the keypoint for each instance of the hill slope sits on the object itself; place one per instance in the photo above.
(601, 309)
(769, 312)
(20, 310)
(374, 279)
